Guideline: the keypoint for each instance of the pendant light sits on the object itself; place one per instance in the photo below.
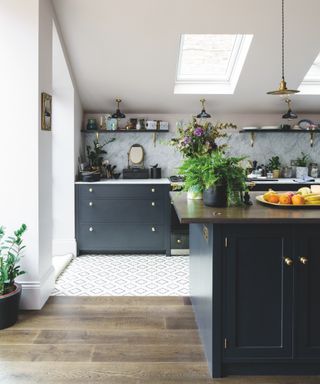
(289, 115)
(203, 114)
(118, 114)
(283, 90)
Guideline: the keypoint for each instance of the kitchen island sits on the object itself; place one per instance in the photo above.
(255, 284)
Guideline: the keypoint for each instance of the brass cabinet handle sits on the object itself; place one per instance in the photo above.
(179, 241)
(153, 190)
(303, 260)
(91, 229)
(153, 229)
(90, 190)
(288, 261)
(153, 204)
(90, 204)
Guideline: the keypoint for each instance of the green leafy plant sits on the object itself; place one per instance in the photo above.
(200, 139)
(274, 163)
(95, 154)
(203, 172)
(11, 249)
(302, 161)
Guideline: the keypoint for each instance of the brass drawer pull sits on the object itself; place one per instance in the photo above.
(91, 229)
(90, 190)
(153, 204)
(90, 204)
(153, 229)
(153, 190)
(288, 261)
(179, 241)
(303, 260)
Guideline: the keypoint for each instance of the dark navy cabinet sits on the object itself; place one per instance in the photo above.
(123, 218)
(255, 293)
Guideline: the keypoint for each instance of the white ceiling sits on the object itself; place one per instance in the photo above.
(129, 48)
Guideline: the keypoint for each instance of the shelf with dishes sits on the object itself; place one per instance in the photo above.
(312, 130)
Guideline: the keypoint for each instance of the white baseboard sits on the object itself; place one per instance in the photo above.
(36, 293)
(64, 246)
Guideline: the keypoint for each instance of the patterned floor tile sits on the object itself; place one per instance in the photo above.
(125, 275)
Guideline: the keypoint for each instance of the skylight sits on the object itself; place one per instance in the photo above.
(211, 64)
(311, 83)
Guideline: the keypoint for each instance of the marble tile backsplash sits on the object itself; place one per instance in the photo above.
(285, 145)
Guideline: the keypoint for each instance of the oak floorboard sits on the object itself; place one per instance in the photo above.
(15, 336)
(142, 337)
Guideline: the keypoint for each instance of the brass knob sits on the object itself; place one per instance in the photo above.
(303, 260)
(90, 190)
(153, 229)
(179, 241)
(91, 229)
(153, 204)
(153, 190)
(90, 204)
(288, 261)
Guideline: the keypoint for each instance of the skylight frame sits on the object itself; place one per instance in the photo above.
(215, 84)
(311, 85)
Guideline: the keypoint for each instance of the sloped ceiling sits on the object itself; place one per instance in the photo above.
(129, 48)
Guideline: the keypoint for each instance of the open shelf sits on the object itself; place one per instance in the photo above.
(253, 132)
(125, 131)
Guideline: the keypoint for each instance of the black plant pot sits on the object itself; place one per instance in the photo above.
(9, 307)
(216, 196)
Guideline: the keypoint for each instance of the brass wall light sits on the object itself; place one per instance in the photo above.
(283, 90)
(118, 114)
(289, 115)
(203, 114)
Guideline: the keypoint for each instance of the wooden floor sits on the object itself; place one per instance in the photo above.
(112, 340)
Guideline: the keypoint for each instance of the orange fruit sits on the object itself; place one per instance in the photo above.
(297, 200)
(273, 199)
(285, 199)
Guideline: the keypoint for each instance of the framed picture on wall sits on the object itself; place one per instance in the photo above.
(46, 111)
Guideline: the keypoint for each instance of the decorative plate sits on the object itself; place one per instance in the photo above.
(261, 200)
(305, 124)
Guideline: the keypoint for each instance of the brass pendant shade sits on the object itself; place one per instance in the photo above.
(283, 90)
(118, 114)
(203, 114)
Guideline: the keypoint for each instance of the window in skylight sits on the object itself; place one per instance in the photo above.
(210, 64)
(311, 83)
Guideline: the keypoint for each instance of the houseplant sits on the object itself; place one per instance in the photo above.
(11, 249)
(302, 166)
(95, 154)
(275, 166)
(219, 177)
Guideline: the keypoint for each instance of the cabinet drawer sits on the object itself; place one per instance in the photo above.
(121, 237)
(121, 210)
(150, 191)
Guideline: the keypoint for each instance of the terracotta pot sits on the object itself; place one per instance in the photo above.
(9, 307)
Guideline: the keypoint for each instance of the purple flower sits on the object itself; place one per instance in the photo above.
(198, 131)
(187, 140)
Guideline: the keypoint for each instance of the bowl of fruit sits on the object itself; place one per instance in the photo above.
(303, 198)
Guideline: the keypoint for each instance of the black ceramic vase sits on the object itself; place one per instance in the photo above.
(216, 196)
(9, 307)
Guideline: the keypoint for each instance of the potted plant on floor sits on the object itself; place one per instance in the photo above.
(221, 178)
(11, 249)
(302, 166)
(274, 166)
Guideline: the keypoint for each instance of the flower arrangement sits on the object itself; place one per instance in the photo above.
(200, 139)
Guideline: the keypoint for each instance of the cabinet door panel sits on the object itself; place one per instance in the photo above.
(258, 293)
(307, 292)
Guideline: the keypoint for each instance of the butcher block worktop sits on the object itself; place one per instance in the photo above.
(194, 211)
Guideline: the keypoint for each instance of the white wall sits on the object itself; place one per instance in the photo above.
(67, 119)
(25, 151)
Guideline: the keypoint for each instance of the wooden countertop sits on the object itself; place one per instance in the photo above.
(194, 211)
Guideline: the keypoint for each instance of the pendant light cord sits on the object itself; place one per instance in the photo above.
(283, 39)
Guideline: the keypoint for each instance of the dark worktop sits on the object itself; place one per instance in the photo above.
(194, 211)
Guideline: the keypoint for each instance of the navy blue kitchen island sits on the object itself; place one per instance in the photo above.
(255, 284)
